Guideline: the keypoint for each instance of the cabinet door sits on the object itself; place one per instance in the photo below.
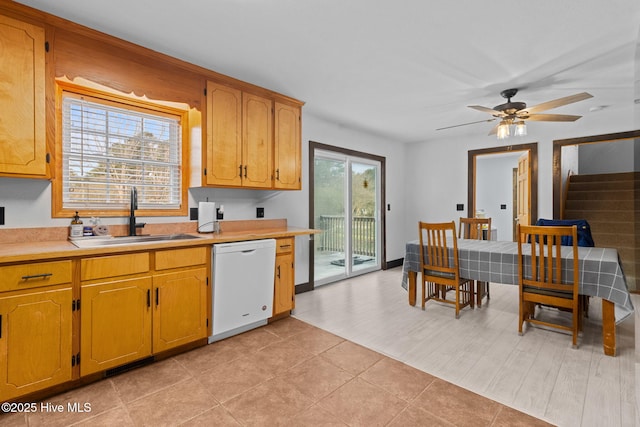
(283, 298)
(180, 308)
(224, 136)
(257, 145)
(115, 322)
(23, 148)
(35, 341)
(287, 147)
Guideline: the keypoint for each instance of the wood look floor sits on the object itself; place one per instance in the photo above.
(538, 373)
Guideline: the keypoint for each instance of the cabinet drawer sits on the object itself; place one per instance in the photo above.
(176, 258)
(115, 265)
(284, 246)
(25, 276)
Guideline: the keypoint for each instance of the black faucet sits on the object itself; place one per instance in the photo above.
(133, 225)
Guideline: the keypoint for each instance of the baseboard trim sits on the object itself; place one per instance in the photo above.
(394, 263)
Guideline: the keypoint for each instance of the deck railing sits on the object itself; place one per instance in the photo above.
(332, 236)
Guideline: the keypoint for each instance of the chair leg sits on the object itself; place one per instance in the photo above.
(576, 316)
(482, 289)
(520, 317)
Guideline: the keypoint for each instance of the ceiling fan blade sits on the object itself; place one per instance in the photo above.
(465, 124)
(487, 110)
(558, 102)
(552, 118)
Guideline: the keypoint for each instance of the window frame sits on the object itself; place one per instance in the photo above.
(134, 103)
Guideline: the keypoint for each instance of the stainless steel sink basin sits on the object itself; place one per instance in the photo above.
(92, 242)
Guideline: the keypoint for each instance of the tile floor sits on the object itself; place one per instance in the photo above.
(286, 373)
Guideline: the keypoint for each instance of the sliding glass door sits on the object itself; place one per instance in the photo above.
(346, 203)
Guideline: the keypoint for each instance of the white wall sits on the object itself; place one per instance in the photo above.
(607, 157)
(494, 187)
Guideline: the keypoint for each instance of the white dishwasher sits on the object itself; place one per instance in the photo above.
(243, 276)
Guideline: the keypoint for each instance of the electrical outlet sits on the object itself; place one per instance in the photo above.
(193, 214)
(259, 212)
(503, 207)
(460, 207)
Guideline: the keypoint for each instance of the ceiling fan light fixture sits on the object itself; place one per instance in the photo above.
(520, 128)
(503, 130)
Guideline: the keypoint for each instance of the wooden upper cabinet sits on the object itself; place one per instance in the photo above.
(287, 147)
(257, 146)
(252, 141)
(23, 149)
(224, 136)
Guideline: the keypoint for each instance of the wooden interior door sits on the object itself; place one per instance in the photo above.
(523, 198)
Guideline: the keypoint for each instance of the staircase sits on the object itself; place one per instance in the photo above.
(611, 205)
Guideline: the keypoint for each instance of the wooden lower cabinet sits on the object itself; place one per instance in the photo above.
(284, 285)
(180, 308)
(144, 310)
(115, 323)
(35, 340)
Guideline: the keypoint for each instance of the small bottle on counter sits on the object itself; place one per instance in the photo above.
(76, 230)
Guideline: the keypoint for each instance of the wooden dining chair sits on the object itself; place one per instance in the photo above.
(540, 275)
(440, 268)
(474, 228)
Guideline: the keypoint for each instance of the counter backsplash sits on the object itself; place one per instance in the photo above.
(43, 234)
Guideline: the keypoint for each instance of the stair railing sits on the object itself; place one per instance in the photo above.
(565, 193)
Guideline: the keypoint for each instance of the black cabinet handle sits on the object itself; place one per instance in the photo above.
(240, 167)
(0, 325)
(278, 174)
(157, 296)
(37, 276)
(278, 272)
(245, 171)
(148, 298)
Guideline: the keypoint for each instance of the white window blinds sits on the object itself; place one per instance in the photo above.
(107, 149)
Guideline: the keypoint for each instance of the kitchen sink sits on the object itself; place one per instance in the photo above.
(92, 242)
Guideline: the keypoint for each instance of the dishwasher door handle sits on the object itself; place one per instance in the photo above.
(249, 251)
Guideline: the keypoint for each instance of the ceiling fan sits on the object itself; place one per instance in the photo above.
(515, 113)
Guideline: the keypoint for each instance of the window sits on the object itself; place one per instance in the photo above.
(109, 146)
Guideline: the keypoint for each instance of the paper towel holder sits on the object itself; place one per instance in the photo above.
(206, 217)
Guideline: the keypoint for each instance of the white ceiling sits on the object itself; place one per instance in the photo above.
(396, 68)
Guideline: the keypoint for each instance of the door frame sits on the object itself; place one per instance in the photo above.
(313, 146)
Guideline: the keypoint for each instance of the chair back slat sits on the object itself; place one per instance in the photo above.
(437, 241)
(545, 271)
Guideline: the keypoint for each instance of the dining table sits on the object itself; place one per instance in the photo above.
(601, 275)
